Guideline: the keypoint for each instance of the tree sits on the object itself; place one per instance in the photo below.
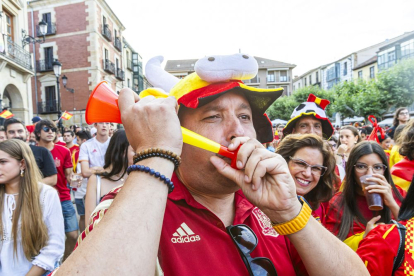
(282, 108)
(396, 84)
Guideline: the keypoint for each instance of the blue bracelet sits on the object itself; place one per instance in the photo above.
(146, 169)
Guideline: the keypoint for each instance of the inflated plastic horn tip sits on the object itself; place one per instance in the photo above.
(103, 105)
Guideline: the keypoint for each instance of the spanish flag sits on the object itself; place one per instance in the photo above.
(66, 115)
(6, 114)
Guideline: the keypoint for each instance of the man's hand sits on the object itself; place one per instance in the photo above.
(150, 122)
(264, 178)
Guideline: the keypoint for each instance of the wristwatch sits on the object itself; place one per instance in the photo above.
(297, 223)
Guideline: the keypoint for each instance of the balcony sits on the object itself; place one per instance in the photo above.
(50, 106)
(129, 64)
(51, 29)
(118, 44)
(386, 65)
(284, 79)
(120, 74)
(106, 32)
(44, 65)
(18, 55)
(108, 66)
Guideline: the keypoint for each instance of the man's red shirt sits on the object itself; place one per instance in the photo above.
(63, 160)
(194, 241)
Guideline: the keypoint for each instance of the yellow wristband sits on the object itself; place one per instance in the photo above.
(297, 223)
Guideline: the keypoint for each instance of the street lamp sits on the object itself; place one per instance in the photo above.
(27, 39)
(57, 69)
(65, 81)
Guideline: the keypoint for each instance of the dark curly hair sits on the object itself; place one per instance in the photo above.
(324, 189)
(407, 140)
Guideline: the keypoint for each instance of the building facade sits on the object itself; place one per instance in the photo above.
(313, 77)
(16, 64)
(367, 70)
(396, 51)
(86, 38)
(134, 75)
(271, 73)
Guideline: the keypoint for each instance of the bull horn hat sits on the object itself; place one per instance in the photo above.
(214, 76)
(315, 107)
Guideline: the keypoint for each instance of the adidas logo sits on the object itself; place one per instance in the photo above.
(184, 234)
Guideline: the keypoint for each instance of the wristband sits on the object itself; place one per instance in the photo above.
(146, 169)
(157, 152)
(297, 223)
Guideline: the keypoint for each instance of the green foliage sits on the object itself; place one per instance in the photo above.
(282, 108)
(397, 84)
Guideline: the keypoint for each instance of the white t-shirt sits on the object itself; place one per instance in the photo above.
(92, 151)
(51, 253)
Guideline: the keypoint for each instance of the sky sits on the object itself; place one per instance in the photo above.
(307, 33)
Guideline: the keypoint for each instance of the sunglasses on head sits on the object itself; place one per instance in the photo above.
(246, 241)
(46, 129)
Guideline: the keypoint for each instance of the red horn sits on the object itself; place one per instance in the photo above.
(103, 105)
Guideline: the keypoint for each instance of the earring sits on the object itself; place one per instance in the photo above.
(21, 173)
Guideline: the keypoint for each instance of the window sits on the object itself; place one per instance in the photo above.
(47, 18)
(372, 72)
(298, 85)
(129, 83)
(305, 82)
(283, 76)
(270, 76)
(360, 74)
(50, 95)
(9, 26)
(106, 53)
(345, 68)
(407, 49)
(116, 63)
(104, 20)
(48, 57)
(310, 79)
(317, 77)
(386, 58)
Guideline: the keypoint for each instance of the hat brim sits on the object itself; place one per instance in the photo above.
(259, 99)
(327, 128)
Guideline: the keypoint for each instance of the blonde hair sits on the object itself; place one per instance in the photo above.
(28, 209)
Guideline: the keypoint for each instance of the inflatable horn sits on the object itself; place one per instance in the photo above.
(103, 107)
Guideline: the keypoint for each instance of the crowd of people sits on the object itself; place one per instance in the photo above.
(303, 199)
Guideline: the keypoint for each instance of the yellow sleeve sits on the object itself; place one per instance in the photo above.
(353, 241)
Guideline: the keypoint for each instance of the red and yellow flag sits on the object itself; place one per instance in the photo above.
(66, 115)
(6, 114)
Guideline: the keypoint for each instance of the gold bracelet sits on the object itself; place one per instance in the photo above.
(296, 224)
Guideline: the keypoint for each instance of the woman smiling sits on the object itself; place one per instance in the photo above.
(312, 166)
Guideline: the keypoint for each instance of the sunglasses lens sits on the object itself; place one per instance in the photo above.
(262, 267)
(244, 237)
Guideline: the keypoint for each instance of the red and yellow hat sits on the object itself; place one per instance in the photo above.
(315, 107)
(194, 91)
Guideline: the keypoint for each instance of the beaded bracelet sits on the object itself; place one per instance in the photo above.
(157, 152)
(146, 169)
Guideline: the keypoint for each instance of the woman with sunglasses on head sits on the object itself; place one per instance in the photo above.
(348, 216)
(118, 157)
(312, 166)
(348, 138)
(31, 218)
